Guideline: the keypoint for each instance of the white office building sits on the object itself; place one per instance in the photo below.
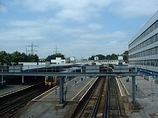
(143, 48)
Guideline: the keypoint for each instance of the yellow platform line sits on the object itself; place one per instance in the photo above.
(48, 93)
(124, 87)
(80, 90)
(119, 86)
(52, 90)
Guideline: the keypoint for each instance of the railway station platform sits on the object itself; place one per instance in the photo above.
(146, 96)
(47, 105)
(9, 89)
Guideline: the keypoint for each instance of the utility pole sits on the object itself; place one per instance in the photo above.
(32, 48)
(56, 50)
(26, 50)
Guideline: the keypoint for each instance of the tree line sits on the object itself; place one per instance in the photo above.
(110, 57)
(15, 57)
(103, 57)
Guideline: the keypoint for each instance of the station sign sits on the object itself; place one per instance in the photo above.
(121, 68)
(92, 68)
(15, 68)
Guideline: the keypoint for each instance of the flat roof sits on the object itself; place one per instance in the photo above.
(29, 67)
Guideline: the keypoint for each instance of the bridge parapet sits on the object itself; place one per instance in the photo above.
(98, 62)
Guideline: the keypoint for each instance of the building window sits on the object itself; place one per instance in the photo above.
(145, 33)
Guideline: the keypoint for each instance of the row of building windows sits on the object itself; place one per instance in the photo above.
(145, 33)
(153, 62)
(148, 52)
(145, 43)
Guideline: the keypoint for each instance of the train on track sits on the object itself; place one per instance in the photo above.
(51, 81)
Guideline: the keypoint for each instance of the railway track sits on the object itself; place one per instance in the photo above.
(101, 101)
(91, 104)
(9, 105)
(112, 107)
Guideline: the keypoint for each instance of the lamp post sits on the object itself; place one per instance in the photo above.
(2, 79)
(136, 78)
(152, 91)
(66, 84)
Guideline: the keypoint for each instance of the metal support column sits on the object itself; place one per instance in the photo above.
(136, 78)
(22, 79)
(61, 91)
(133, 89)
(65, 91)
(66, 84)
(2, 81)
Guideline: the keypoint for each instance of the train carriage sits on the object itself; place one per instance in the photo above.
(51, 81)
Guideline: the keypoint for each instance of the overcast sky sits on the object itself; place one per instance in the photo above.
(79, 28)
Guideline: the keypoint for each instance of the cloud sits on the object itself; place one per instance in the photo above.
(76, 15)
(23, 23)
(104, 36)
(17, 34)
(46, 5)
(77, 27)
(35, 6)
(50, 32)
(131, 8)
(83, 10)
(95, 26)
(78, 10)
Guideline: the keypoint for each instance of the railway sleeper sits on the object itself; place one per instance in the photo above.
(89, 108)
(113, 108)
(113, 112)
(87, 114)
(94, 98)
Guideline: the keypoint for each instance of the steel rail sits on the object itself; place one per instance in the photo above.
(81, 113)
(14, 103)
(94, 112)
(117, 101)
(112, 92)
(106, 111)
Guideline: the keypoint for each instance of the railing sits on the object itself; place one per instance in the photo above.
(93, 70)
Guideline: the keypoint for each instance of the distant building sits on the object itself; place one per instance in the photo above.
(41, 59)
(58, 60)
(125, 56)
(120, 60)
(72, 60)
(96, 58)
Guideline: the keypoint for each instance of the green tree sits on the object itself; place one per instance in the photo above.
(114, 57)
(4, 57)
(91, 58)
(101, 57)
(32, 58)
(54, 56)
(108, 57)
(24, 57)
(16, 57)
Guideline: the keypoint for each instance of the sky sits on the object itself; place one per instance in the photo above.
(79, 28)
